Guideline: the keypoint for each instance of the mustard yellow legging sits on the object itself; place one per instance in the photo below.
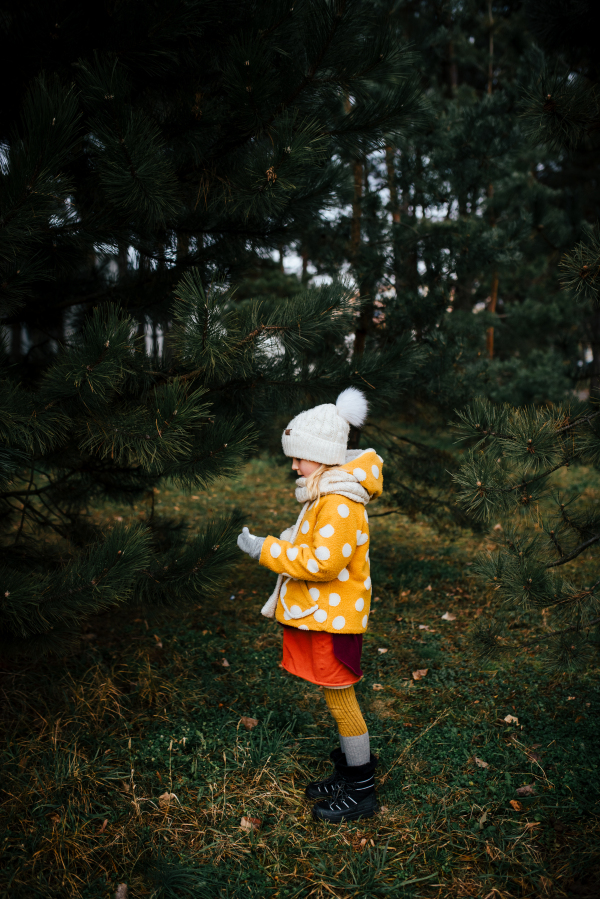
(344, 707)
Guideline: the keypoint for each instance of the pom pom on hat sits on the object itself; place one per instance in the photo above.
(352, 405)
(321, 433)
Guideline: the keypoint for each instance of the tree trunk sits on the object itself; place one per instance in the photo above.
(390, 154)
(489, 337)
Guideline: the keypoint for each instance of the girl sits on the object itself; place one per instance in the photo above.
(323, 592)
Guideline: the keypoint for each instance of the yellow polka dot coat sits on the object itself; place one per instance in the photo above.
(327, 581)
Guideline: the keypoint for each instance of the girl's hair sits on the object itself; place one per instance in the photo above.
(313, 481)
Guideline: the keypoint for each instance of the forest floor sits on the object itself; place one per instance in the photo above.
(129, 762)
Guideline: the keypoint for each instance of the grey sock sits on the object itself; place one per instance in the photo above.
(356, 749)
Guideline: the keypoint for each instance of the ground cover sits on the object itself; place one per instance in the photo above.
(129, 761)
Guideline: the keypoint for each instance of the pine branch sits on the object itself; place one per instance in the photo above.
(567, 630)
(576, 552)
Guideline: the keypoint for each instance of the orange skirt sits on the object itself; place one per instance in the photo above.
(309, 655)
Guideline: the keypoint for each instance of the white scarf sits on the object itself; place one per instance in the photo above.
(333, 481)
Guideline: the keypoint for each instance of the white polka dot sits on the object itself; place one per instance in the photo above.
(367, 555)
(346, 550)
(366, 516)
(322, 553)
(368, 584)
(303, 627)
(380, 459)
(305, 527)
(296, 611)
(320, 616)
(361, 538)
(364, 621)
(327, 531)
(375, 471)
(292, 553)
(359, 474)
(275, 550)
(286, 615)
(304, 546)
(359, 604)
(339, 622)
(343, 510)
(284, 589)
(314, 593)
(343, 575)
(334, 599)
(312, 566)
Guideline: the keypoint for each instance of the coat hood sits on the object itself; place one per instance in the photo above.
(367, 468)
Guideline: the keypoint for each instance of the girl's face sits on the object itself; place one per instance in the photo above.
(304, 467)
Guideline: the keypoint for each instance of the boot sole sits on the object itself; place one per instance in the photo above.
(350, 816)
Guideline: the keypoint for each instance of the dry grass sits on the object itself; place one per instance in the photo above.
(127, 762)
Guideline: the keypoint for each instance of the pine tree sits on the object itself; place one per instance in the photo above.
(152, 152)
(509, 472)
(455, 232)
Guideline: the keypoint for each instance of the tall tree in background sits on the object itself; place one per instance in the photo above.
(511, 472)
(149, 149)
(463, 221)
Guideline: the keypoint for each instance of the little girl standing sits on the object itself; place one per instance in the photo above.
(323, 592)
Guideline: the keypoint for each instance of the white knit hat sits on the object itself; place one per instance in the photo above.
(321, 434)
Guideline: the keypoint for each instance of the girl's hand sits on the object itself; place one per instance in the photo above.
(250, 544)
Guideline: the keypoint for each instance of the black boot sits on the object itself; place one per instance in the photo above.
(321, 789)
(354, 795)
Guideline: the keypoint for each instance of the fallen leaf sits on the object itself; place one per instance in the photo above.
(424, 627)
(498, 527)
(429, 587)
(363, 842)
(526, 790)
(165, 799)
(571, 697)
(448, 616)
(158, 641)
(378, 686)
(511, 719)
(516, 805)
(103, 828)
(122, 892)
(405, 593)
(381, 649)
(483, 819)
(250, 824)
(225, 663)
(480, 763)
(417, 675)
(533, 756)
(531, 824)
(248, 723)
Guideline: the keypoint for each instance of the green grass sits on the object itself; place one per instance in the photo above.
(146, 709)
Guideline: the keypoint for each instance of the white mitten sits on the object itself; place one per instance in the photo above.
(250, 544)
